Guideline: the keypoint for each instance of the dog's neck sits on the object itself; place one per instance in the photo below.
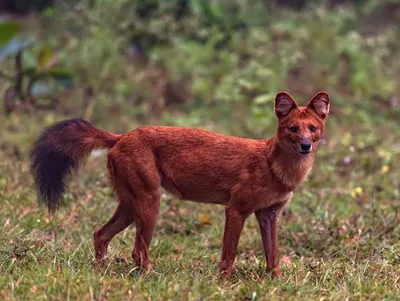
(289, 168)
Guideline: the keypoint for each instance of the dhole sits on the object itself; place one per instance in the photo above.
(247, 176)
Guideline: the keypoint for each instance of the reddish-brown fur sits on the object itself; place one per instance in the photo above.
(247, 176)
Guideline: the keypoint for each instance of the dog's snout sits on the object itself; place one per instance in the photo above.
(305, 146)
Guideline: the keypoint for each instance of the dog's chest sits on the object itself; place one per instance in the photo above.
(253, 197)
(283, 197)
(275, 197)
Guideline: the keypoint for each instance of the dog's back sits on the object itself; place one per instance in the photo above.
(192, 164)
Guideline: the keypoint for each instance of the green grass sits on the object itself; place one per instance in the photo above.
(340, 239)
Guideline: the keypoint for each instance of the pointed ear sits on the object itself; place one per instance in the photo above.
(284, 103)
(320, 104)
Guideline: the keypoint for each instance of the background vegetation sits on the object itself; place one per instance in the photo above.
(215, 65)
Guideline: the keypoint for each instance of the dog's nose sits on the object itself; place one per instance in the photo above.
(305, 146)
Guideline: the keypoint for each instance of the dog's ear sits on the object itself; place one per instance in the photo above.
(284, 103)
(320, 104)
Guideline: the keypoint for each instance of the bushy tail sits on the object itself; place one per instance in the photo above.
(58, 151)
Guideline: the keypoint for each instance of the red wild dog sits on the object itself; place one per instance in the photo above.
(247, 176)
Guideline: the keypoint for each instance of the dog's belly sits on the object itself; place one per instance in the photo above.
(195, 193)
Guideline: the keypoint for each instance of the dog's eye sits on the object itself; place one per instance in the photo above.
(293, 129)
(313, 128)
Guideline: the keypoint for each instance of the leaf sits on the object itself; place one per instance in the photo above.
(61, 72)
(64, 82)
(29, 71)
(42, 88)
(63, 77)
(52, 84)
(7, 32)
(14, 46)
(205, 219)
(44, 57)
(49, 12)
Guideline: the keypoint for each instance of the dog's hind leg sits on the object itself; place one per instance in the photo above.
(137, 173)
(121, 219)
(146, 210)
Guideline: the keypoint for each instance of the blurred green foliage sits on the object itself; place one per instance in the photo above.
(225, 60)
(30, 81)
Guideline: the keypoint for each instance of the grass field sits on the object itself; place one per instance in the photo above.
(218, 69)
(340, 239)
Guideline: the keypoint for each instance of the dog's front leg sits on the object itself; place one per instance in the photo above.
(234, 221)
(268, 222)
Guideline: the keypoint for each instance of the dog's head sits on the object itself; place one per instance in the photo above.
(300, 128)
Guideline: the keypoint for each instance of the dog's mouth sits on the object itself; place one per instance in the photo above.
(301, 152)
